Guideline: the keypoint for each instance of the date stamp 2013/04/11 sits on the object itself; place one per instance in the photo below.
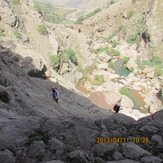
(122, 140)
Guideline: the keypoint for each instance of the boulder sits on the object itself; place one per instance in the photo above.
(104, 57)
(133, 151)
(7, 156)
(126, 102)
(55, 144)
(103, 148)
(157, 139)
(123, 161)
(117, 155)
(37, 149)
(151, 159)
(53, 161)
(79, 156)
(149, 129)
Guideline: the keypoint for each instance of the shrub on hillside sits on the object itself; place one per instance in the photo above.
(130, 14)
(115, 52)
(54, 60)
(71, 55)
(126, 60)
(125, 91)
(42, 29)
(37, 74)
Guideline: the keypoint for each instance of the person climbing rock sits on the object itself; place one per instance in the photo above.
(117, 106)
(54, 93)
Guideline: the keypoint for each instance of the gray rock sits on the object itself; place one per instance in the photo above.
(102, 148)
(6, 156)
(53, 161)
(149, 128)
(133, 151)
(37, 149)
(117, 155)
(55, 144)
(123, 161)
(151, 159)
(79, 156)
(157, 139)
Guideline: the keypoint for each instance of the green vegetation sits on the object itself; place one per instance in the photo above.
(54, 60)
(111, 36)
(17, 2)
(69, 54)
(133, 39)
(102, 49)
(125, 91)
(38, 135)
(82, 18)
(51, 13)
(114, 43)
(112, 1)
(154, 62)
(37, 74)
(133, 1)
(2, 35)
(115, 52)
(111, 64)
(130, 14)
(126, 60)
(131, 69)
(42, 29)
(16, 33)
(98, 80)
(80, 68)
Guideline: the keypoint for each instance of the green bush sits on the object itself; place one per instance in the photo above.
(93, 13)
(133, 39)
(112, 1)
(71, 55)
(114, 43)
(42, 29)
(159, 71)
(37, 74)
(102, 49)
(126, 60)
(80, 68)
(2, 35)
(80, 20)
(131, 69)
(125, 91)
(111, 64)
(111, 36)
(54, 60)
(115, 52)
(16, 33)
(130, 14)
(133, 1)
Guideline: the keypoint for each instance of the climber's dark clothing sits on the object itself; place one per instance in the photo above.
(116, 108)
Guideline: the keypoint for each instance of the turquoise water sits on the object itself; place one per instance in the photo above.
(120, 69)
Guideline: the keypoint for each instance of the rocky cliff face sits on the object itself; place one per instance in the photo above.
(35, 129)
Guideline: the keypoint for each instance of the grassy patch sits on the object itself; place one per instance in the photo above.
(115, 52)
(82, 18)
(70, 54)
(54, 60)
(102, 49)
(130, 14)
(42, 29)
(98, 80)
(126, 60)
(16, 33)
(125, 91)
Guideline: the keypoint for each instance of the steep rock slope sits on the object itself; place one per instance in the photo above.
(35, 129)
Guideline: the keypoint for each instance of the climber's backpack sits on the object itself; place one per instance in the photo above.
(116, 108)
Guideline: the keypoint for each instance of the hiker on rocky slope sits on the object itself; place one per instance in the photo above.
(54, 93)
(117, 106)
